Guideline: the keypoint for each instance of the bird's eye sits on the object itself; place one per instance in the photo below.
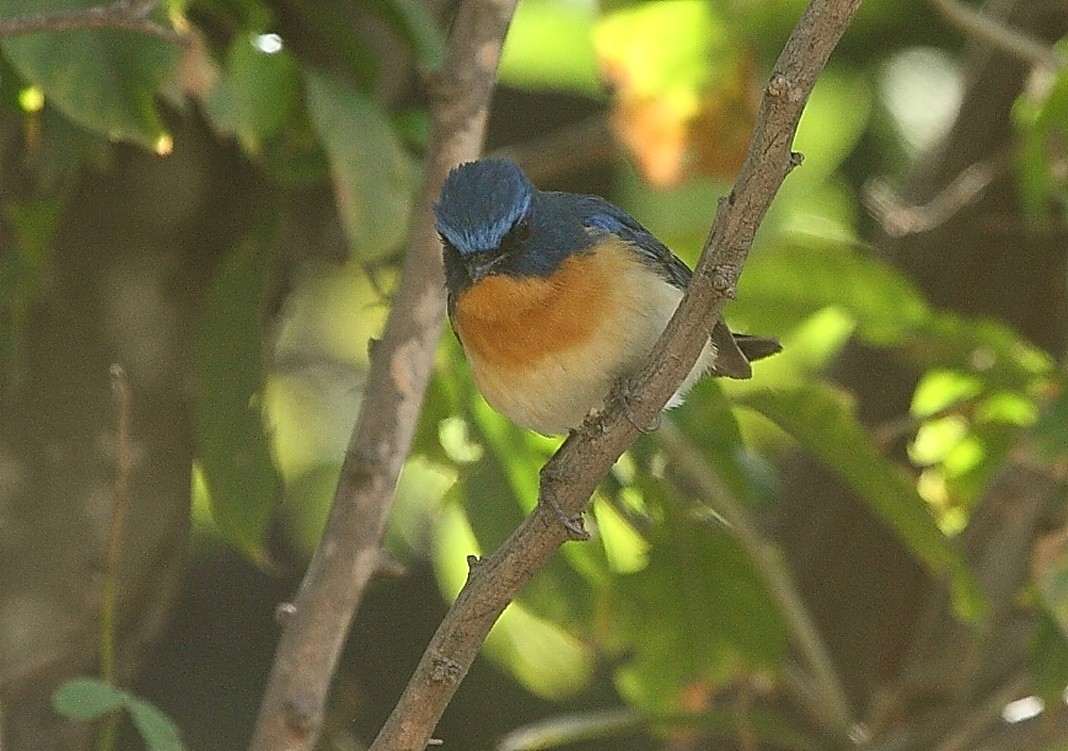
(516, 236)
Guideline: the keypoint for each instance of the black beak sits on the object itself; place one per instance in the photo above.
(480, 265)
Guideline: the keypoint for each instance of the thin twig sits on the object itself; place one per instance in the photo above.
(121, 14)
(1005, 38)
(573, 147)
(293, 707)
(571, 476)
(120, 387)
(769, 564)
(899, 219)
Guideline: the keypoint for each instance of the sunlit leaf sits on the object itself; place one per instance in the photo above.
(535, 650)
(821, 421)
(834, 120)
(229, 377)
(997, 355)
(549, 46)
(103, 79)
(722, 623)
(797, 277)
(1041, 119)
(373, 177)
(684, 92)
(940, 388)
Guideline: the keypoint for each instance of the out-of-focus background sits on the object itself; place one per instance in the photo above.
(224, 219)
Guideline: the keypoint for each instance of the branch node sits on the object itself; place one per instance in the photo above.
(300, 713)
(284, 612)
(365, 465)
(445, 670)
(778, 86)
(796, 160)
(722, 281)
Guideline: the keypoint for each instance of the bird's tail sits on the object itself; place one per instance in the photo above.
(734, 352)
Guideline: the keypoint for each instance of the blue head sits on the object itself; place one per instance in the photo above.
(492, 220)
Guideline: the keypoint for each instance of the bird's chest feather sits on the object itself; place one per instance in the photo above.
(512, 322)
(544, 351)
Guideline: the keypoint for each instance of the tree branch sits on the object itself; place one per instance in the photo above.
(570, 477)
(130, 15)
(1011, 41)
(292, 711)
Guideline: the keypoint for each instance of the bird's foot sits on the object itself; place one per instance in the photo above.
(573, 525)
(624, 393)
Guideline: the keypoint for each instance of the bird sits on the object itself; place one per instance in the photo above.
(556, 296)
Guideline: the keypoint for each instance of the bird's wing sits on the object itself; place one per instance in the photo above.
(598, 214)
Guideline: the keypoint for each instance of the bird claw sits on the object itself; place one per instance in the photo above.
(572, 525)
(624, 393)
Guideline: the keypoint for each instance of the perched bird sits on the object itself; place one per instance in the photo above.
(554, 296)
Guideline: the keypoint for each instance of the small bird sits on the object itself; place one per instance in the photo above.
(555, 296)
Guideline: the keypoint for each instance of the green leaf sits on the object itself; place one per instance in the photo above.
(1041, 123)
(103, 79)
(568, 63)
(256, 94)
(536, 650)
(1051, 430)
(799, 276)
(697, 614)
(1048, 660)
(415, 25)
(996, 354)
(22, 272)
(823, 422)
(157, 730)
(87, 699)
(833, 121)
(232, 445)
(373, 176)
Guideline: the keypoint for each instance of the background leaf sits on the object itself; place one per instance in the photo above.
(256, 94)
(105, 80)
(821, 421)
(87, 699)
(241, 479)
(373, 177)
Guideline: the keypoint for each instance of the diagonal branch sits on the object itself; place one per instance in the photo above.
(130, 15)
(570, 477)
(992, 31)
(291, 714)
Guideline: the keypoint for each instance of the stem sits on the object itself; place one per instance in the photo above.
(769, 564)
(120, 387)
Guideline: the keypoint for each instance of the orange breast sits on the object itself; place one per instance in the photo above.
(512, 323)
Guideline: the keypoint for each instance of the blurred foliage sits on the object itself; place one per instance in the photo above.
(90, 699)
(664, 600)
